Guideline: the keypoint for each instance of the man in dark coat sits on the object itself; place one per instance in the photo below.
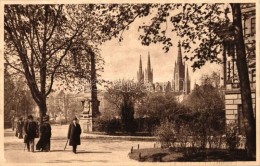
(44, 142)
(30, 130)
(74, 134)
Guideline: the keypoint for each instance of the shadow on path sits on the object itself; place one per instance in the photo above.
(92, 152)
(78, 151)
(73, 161)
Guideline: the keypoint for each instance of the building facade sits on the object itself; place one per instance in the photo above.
(233, 103)
(179, 85)
(181, 80)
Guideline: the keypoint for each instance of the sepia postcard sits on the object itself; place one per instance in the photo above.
(129, 82)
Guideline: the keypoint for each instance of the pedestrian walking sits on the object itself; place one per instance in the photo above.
(30, 131)
(13, 124)
(19, 125)
(44, 143)
(74, 134)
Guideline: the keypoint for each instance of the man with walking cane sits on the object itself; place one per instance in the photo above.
(74, 134)
(66, 144)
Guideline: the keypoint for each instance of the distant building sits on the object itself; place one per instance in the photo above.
(233, 103)
(140, 73)
(163, 86)
(179, 85)
(181, 81)
(148, 77)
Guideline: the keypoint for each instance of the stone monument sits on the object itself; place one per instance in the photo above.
(85, 119)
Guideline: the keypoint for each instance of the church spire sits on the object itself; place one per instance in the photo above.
(187, 74)
(187, 81)
(140, 64)
(179, 72)
(149, 63)
(140, 73)
(179, 60)
(149, 71)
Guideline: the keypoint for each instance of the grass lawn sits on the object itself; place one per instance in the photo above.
(166, 155)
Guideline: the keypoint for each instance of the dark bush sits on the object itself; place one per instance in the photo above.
(146, 124)
(109, 126)
(232, 136)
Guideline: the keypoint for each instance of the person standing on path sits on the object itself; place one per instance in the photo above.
(13, 123)
(44, 143)
(30, 130)
(20, 128)
(74, 134)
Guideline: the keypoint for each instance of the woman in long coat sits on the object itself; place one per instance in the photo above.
(74, 134)
(44, 142)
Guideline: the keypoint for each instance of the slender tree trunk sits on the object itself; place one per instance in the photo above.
(247, 108)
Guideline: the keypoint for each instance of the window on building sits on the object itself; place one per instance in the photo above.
(252, 25)
(253, 75)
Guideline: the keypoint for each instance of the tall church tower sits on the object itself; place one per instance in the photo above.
(187, 82)
(148, 71)
(179, 73)
(140, 73)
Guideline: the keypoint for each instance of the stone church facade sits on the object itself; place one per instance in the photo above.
(179, 85)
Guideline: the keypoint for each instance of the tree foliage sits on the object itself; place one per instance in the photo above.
(159, 106)
(124, 94)
(205, 98)
(18, 100)
(166, 133)
(197, 119)
(52, 43)
(201, 27)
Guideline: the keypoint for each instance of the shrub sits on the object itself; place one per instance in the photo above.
(112, 126)
(232, 136)
(146, 124)
(109, 126)
(166, 134)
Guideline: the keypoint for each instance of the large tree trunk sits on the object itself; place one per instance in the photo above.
(247, 108)
(127, 115)
(43, 109)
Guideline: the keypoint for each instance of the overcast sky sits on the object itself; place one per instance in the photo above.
(122, 58)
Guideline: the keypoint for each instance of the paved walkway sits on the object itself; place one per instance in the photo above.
(94, 149)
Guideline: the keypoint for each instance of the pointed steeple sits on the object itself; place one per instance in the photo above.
(140, 73)
(179, 60)
(140, 64)
(149, 63)
(149, 71)
(187, 82)
(187, 74)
